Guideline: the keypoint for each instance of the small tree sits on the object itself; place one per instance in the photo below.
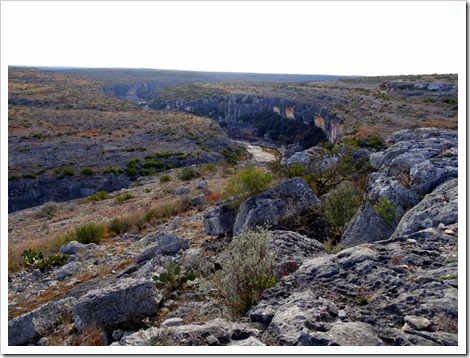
(387, 211)
(338, 209)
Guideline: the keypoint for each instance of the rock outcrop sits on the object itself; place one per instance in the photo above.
(277, 208)
(39, 322)
(228, 108)
(413, 165)
(127, 301)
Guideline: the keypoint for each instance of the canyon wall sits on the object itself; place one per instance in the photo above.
(228, 108)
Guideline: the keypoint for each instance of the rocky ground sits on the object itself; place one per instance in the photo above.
(392, 287)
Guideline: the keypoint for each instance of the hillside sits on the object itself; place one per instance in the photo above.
(65, 129)
(137, 219)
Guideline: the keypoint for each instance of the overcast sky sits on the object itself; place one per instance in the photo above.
(308, 37)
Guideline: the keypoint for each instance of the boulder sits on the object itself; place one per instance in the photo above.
(170, 243)
(72, 248)
(126, 301)
(181, 190)
(162, 244)
(39, 322)
(220, 220)
(315, 158)
(427, 175)
(277, 208)
(365, 226)
(68, 270)
(439, 207)
(291, 249)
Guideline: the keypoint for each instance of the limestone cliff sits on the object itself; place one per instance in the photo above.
(228, 108)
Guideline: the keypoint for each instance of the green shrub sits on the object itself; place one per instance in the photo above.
(131, 171)
(123, 197)
(133, 162)
(338, 208)
(98, 196)
(247, 182)
(295, 170)
(110, 170)
(29, 176)
(152, 163)
(89, 233)
(147, 172)
(119, 225)
(188, 173)
(68, 172)
(210, 167)
(165, 178)
(87, 171)
(48, 210)
(387, 211)
(247, 269)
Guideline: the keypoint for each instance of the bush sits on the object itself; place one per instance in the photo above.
(119, 225)
(247, 269)
(165, 178)
(123, 197)
(87, 171)
(247, 182)
(147, 172)
(68, 172)
(338, 209)
(48, 210)
(89, 233)
(188, 173)
(387, 211)
(99, 195)
(210, 167)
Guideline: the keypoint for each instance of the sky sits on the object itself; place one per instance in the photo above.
(305, 37)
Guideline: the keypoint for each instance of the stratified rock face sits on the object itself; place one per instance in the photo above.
(413, 165)
(25, 193)
(417, 88)
(38, 322)
(126, 301)
(276, 207)
(230, 107)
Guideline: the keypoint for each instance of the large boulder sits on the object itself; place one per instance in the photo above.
(39, 322)
(220, 220)
(127, 301)
(161, 244)
(278, 208)
(439, 207)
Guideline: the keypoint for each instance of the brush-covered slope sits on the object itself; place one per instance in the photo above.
(66, 130)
